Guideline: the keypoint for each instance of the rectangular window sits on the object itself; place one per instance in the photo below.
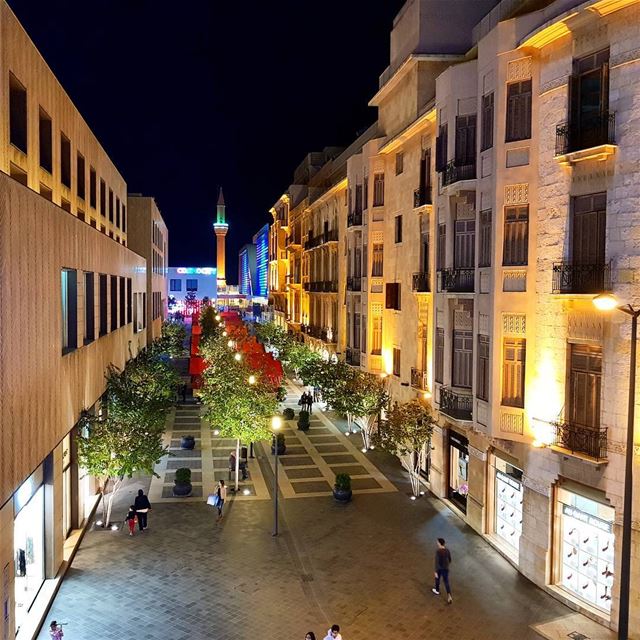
(442, 142)
(135, 313)
(392, 297)
(462, 364)
(111, 207)
(117, 212)
(377, 260)
(376, 335)
(518, 111)
(588, 229)
(378, 189)
(103, 198)
(103, 305)
(442, 246)
(398, 229)
(487, 122)
(69, 293)
(516, 236)
(124, 220)
(485, 239)
(129, 301)
(192, 284)
(80, 176)
(17, 114)
(464, 246)
(144, 310)
(66, 205)
(396, 361)
(399, 163)
(365, 192)
(585, 384)
(89, 308)
(482, 382)
(45, 135)
(65, 160)
(92, 187)
(114, 303)
(46, 193)
(80, 215)
(439, 363)
(465, 153)
(513, 370)
(123, 297)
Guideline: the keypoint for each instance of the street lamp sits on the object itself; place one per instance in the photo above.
(238, 357)
(607, 302)
(252, 379)
(276, 423)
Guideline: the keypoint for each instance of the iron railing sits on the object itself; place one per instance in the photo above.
(354, 283)
(421, 282)
(581, 278)
(457, 280)
(422, 196)
(419, 379)
(321, 286)
(580, 439)
(454, 172)
(456, 405)
(353, 356)
(588, 133)
(354, 219)
(316, 241)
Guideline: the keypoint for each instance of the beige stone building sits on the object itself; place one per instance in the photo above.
(278, 262)
(64, 234)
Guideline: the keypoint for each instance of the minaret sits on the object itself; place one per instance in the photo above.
(221, 227)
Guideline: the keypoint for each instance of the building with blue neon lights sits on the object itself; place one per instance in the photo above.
(261, 242)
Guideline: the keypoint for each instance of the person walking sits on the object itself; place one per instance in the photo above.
(232, 463)
(55, 630)
(442, 563)
(309, 402)
(222, 496)
(131, 519)
(333, 633)
(184, 393)
(310, 636)
(142, 507)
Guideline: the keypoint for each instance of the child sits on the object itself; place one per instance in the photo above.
(131, 519)
(55, 630)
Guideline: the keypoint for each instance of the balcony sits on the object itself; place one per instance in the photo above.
(419, 379)
(354, 219)
(456, 405)
(455, 172)
(581, 440)
(316, 241)
(590, 139)
(321, 286)
(421, 282)
(354, 283)
(581, 278)
(353, 356)
(422, 197)
(457, 280)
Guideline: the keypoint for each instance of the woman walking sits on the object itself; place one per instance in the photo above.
(222, 496)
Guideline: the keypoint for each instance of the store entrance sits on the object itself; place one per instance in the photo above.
(458, 470)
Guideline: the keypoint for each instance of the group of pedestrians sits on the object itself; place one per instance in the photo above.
(332, 634)
(306, 402)
(138, 512)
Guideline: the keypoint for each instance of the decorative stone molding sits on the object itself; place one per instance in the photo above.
(377, 237)
(556, 83)
(463, 320)
(514, 324)
(519, 69)
(632, 55)
(508, 446)
(516, 194)
(511, 422)
(485, 282)
(483, 323)
(482, 413)
(514, 280)
(583, 325)
(440, 318)
(477, 453)
(536, 486)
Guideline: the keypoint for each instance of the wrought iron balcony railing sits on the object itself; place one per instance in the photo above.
(316, 241)
(354, 219)
(588, 133)
(454, 172)
(353, 356)
(419, 379)
(457, 280)
(422, 196)
(580, 439)
(354, 283)
(581, 278)
(456, 405)
(421, 282)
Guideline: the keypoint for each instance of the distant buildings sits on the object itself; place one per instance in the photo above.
(247, 269)
(193, 285)
(253, 267)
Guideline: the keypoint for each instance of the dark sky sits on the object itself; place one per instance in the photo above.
(186, 96)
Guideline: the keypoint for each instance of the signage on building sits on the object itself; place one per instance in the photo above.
(598, 523)
(201, 271)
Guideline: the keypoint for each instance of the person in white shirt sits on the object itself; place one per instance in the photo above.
(334, 633)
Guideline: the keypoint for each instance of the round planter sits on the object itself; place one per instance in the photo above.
(282, 449)
(340, 495)
(182, 489)
(187, 442)
(303, 426)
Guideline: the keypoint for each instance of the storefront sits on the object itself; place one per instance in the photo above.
(509, 495)
(458, 470)
(585, 541)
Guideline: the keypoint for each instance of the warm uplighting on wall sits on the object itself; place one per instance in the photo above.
(605, 302)
(426, 395)
(543, 433)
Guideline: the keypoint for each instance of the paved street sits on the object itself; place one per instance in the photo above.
(366, 566)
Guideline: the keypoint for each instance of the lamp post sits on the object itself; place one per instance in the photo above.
(276, 423)
(607, 302)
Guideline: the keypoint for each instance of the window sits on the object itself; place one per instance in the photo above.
(111, 207)
(485, 239)
(129, 301)
(462, 373)
(124, 220)
(92, 187)
(425, 177)
(396, 361)
(442, 246)
(486, 141)
(518, 111)
(378, 189)
(123, 308)
(376, 335)
(80, 177)
(136, 327)
(424, 251)
(392, 299)
(103, 305)
(66, 205)
(465, 152)
(513, 369)
(585, 383)
(103, 199)
(588, 228)
(17, 114)
(377, 259)
(80, 214)
(516, 236)
(69, 293)
(365, 192)
(46, 193)
(89, 308)
(114, 303)
(464, 247)
(65, 160)
(18, 174)
(45, 139)
(144, 310)
(442, 142)
(398, 229)
(192, 284)
(482, 382)
(117, 212)
(399, 163)
(439, 364)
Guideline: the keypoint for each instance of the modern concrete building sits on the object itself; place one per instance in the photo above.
(63, 234)
(148, 236)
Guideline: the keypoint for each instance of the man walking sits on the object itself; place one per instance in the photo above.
(443, 560)
(142, 506)
(334, 633)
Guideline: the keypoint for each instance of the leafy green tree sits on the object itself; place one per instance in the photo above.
(208, 322)
(274, 337)
(407, 433)
(173, 336)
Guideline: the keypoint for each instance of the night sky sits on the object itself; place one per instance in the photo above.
(186, 96)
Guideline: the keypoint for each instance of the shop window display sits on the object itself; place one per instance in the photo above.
(509, 498)
(458, 470)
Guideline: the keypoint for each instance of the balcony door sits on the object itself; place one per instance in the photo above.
(588, 229)
(585, 381)
(464, 249)
(465, 152)
(462, 372)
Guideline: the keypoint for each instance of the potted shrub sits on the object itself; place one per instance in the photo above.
(182, 483)
(342, 487)
(281, 393)
(282, 447)
(288, 414)
(187, 442)
(303, 421)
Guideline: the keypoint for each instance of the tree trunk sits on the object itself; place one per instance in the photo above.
(116, 485)
(237, 461)
(103, 491)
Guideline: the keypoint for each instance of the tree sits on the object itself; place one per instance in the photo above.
(208, 322)
(274, 336)
(296, 355)
(407, 433)
(173, 337)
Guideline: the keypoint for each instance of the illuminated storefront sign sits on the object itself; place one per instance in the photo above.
(201, 271)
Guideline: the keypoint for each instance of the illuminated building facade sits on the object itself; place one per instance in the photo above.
(261, 244)
(247, 269)
(221, 228)
(199, 283)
